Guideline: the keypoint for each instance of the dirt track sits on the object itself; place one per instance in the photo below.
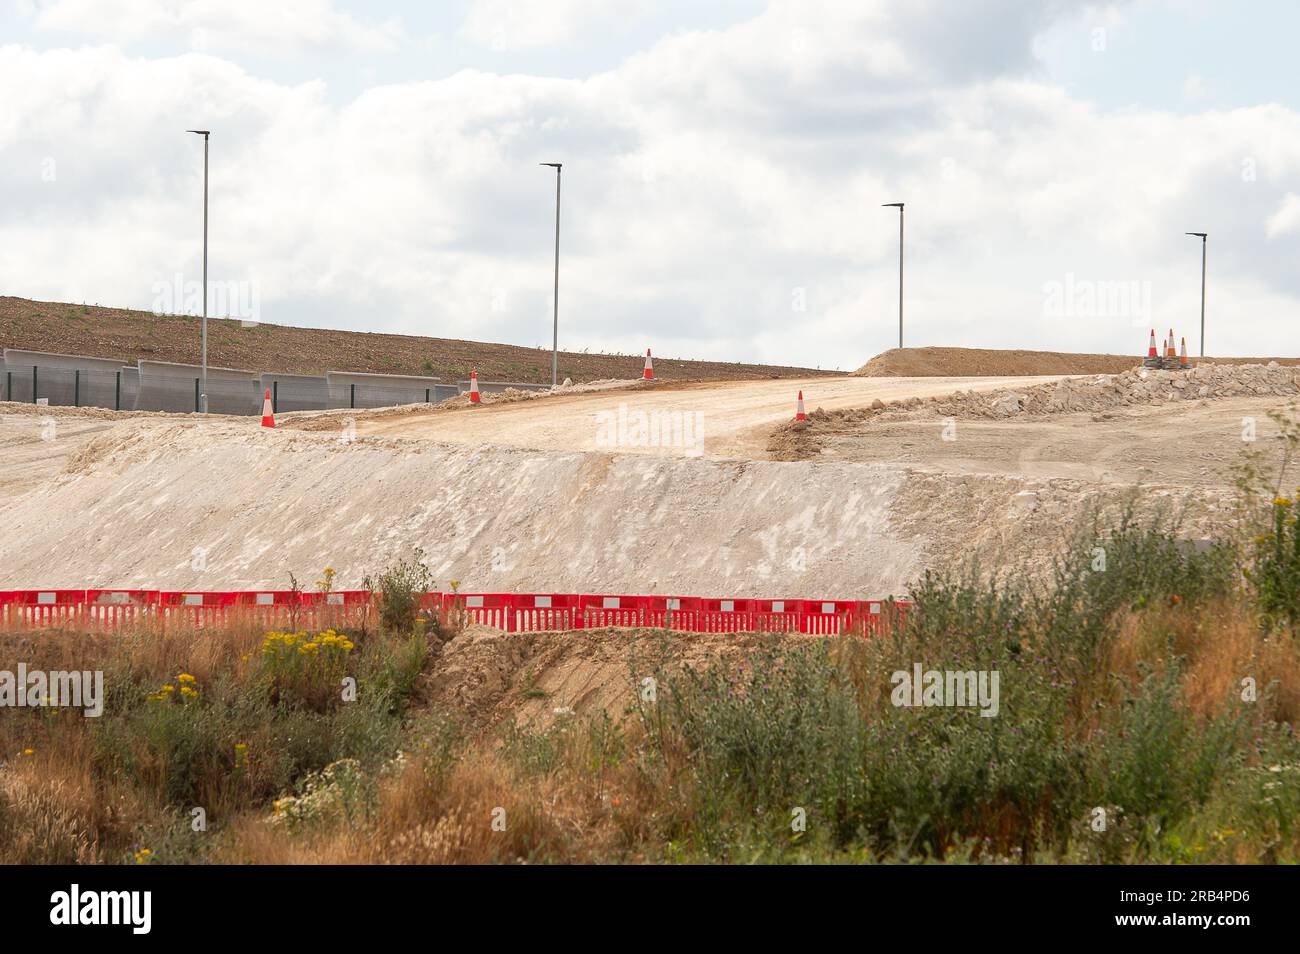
(736, 417)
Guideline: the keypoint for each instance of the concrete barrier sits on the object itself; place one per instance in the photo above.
(65, 380)
(361, 389)
(173, 387)
(296, 392)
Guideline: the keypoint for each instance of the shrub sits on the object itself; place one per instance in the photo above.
(340, 792)
(400, 590)
(1275, 573)
(303, 669)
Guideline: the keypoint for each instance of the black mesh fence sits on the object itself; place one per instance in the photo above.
(182, 393)
(66, 387)
(370, 395)
(296, 393)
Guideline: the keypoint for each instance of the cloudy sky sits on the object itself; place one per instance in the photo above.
(375, 167)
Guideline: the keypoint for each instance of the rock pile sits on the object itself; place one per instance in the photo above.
(1134, 387)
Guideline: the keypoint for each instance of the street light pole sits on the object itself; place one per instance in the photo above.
(555, 313)
(1202, 236)
(899, 206)
(205, 133)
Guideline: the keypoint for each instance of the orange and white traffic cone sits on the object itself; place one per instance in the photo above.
(1172, 351)
(268, 415)
(799, 414)
(473, 388)
(1151, 348)
(1182, 356)
(649, 373)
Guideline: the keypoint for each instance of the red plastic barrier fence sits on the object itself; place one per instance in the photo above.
(543, 612)
(112, 608)
(487, 609)
(339, 608)
(597, 611)
(827, 617)
(509, 612)
(41, 607)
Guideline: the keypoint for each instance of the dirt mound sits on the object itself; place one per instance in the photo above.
(1137, 386)
(953, 362)
(209, 505)
(989, 362)
(490, 678)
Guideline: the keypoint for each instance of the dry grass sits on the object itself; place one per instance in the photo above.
(54, 810)
(1217, 646)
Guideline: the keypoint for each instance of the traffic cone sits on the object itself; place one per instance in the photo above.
(473, 388)
(799, 414)
(1171, 353)
(268, 415)
(649, 366)
(1182, 356)
(1151, 348)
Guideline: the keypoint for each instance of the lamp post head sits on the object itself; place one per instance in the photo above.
(553, 165)
(201, 132)
(891, 205)
(1201, 235)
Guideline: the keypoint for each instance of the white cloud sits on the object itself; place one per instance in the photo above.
(202, 24)
(526, 24)
(1286, 220)
(711, 184)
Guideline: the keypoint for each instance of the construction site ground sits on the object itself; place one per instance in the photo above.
(542, 494)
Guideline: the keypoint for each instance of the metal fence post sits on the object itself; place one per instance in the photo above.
(117, 393)
(352, 397)
(34, 375)
(426, 395)
(196, 395)
(275, 397)
(9, 385)
(76, 387)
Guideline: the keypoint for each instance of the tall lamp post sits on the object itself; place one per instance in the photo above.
(555, 313)
(899, 206)
(1202, 236)
(205, 133)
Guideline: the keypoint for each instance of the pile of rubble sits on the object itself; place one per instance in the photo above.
(1139, 386)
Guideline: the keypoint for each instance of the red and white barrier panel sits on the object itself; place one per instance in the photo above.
(509, 612)
(114, 608)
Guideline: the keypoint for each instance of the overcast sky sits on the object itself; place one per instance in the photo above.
(375, 167)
